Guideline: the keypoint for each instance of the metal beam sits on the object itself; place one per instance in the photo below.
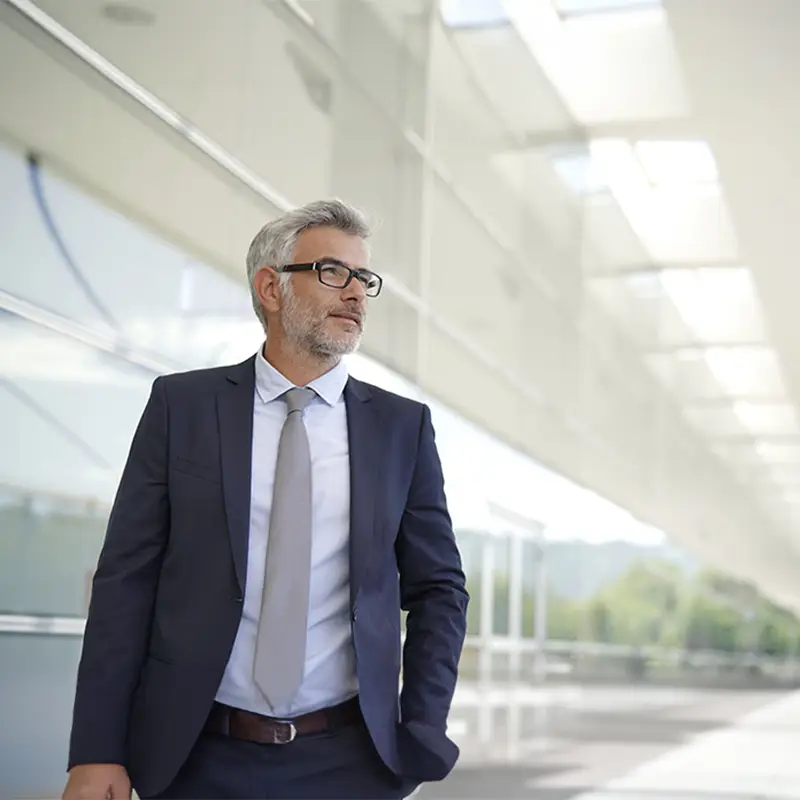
(727, 401)
(580, 135)
(699, 347)
(750, 438)
(634, 270)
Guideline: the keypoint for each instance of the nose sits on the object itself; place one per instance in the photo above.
(355, 290)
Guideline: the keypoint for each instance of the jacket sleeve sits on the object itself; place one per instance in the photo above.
(433, 591)
(123, 594)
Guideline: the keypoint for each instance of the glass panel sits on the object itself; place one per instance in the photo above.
(585, 7)
(48, 551)
(529, 581)
(501, 584)
(47, 383)
(471, 546)
(145, 294)
(37, 682)
(473, 13)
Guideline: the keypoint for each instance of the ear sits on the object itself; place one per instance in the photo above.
(268, 289)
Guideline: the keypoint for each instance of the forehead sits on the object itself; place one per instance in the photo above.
(318, 243)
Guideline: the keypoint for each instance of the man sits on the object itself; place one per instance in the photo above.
(243, 637)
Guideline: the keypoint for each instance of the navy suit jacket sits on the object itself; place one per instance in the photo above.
(167, 594)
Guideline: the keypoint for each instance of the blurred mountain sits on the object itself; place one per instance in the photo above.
(577, 569)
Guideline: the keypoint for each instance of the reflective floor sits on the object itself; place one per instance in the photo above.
(625, 743)
(587, 742)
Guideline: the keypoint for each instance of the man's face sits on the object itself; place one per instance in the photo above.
(318, 319)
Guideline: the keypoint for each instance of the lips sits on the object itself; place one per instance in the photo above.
(352, 316)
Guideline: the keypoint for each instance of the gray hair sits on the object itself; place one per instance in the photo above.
(274, 244)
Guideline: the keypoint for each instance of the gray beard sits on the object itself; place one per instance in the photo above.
(307, 332)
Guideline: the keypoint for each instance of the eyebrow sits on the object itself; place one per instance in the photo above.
(339, 263)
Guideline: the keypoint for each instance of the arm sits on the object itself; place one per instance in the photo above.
(123, 594)
(433, 591)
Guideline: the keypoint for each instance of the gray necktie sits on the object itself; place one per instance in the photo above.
(283, 625)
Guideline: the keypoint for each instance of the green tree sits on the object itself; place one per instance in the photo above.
(598, 622)
(710, 624)
(564, 618)
(637, 607)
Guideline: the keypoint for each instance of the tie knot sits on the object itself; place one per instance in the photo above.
(298, 399)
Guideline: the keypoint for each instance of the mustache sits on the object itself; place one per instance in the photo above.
(349, 312)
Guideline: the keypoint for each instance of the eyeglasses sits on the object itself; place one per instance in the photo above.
(337, 275)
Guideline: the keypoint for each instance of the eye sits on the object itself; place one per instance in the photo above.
(332, 271)
(369, 279)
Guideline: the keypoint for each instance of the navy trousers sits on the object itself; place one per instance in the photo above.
(337, 765)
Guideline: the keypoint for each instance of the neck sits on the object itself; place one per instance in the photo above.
(297, 367)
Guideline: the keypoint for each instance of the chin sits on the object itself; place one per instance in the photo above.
(334, 348)
(345, 347)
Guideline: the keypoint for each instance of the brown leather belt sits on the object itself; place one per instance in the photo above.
(252, 727)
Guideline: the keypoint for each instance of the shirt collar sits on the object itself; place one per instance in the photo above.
(271, 384)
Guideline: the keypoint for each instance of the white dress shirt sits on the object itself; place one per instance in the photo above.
(330, 674)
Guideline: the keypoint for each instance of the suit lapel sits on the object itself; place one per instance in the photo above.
(365, 442)
(235, 418)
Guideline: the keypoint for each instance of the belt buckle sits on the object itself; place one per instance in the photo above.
(283, 733)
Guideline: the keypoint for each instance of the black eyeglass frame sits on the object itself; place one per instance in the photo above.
(319, 266)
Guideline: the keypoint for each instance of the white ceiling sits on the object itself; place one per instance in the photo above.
(703, 279)
(716, 70)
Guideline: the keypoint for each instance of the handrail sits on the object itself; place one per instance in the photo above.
(54, 625)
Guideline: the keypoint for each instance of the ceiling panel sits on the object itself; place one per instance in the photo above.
(686, 375)
(719, 305)
(785, 475)
(277, 121)
(527, 104)
(614, 67)
(779, 454)
(609, 233)
(746, 371)
(716, 422)
(689, 225)
(767, 419)
(681, 163)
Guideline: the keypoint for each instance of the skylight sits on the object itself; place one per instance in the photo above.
(786, 474)
(473, 13)
(768, 419)
(633, 170)
(717, 303)
(746, 371)
(585, 8)
(636, 174)
(677, 162)
(578, 171)
(783, 454)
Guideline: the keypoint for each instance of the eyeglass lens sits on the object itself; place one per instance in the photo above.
(337, 276)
